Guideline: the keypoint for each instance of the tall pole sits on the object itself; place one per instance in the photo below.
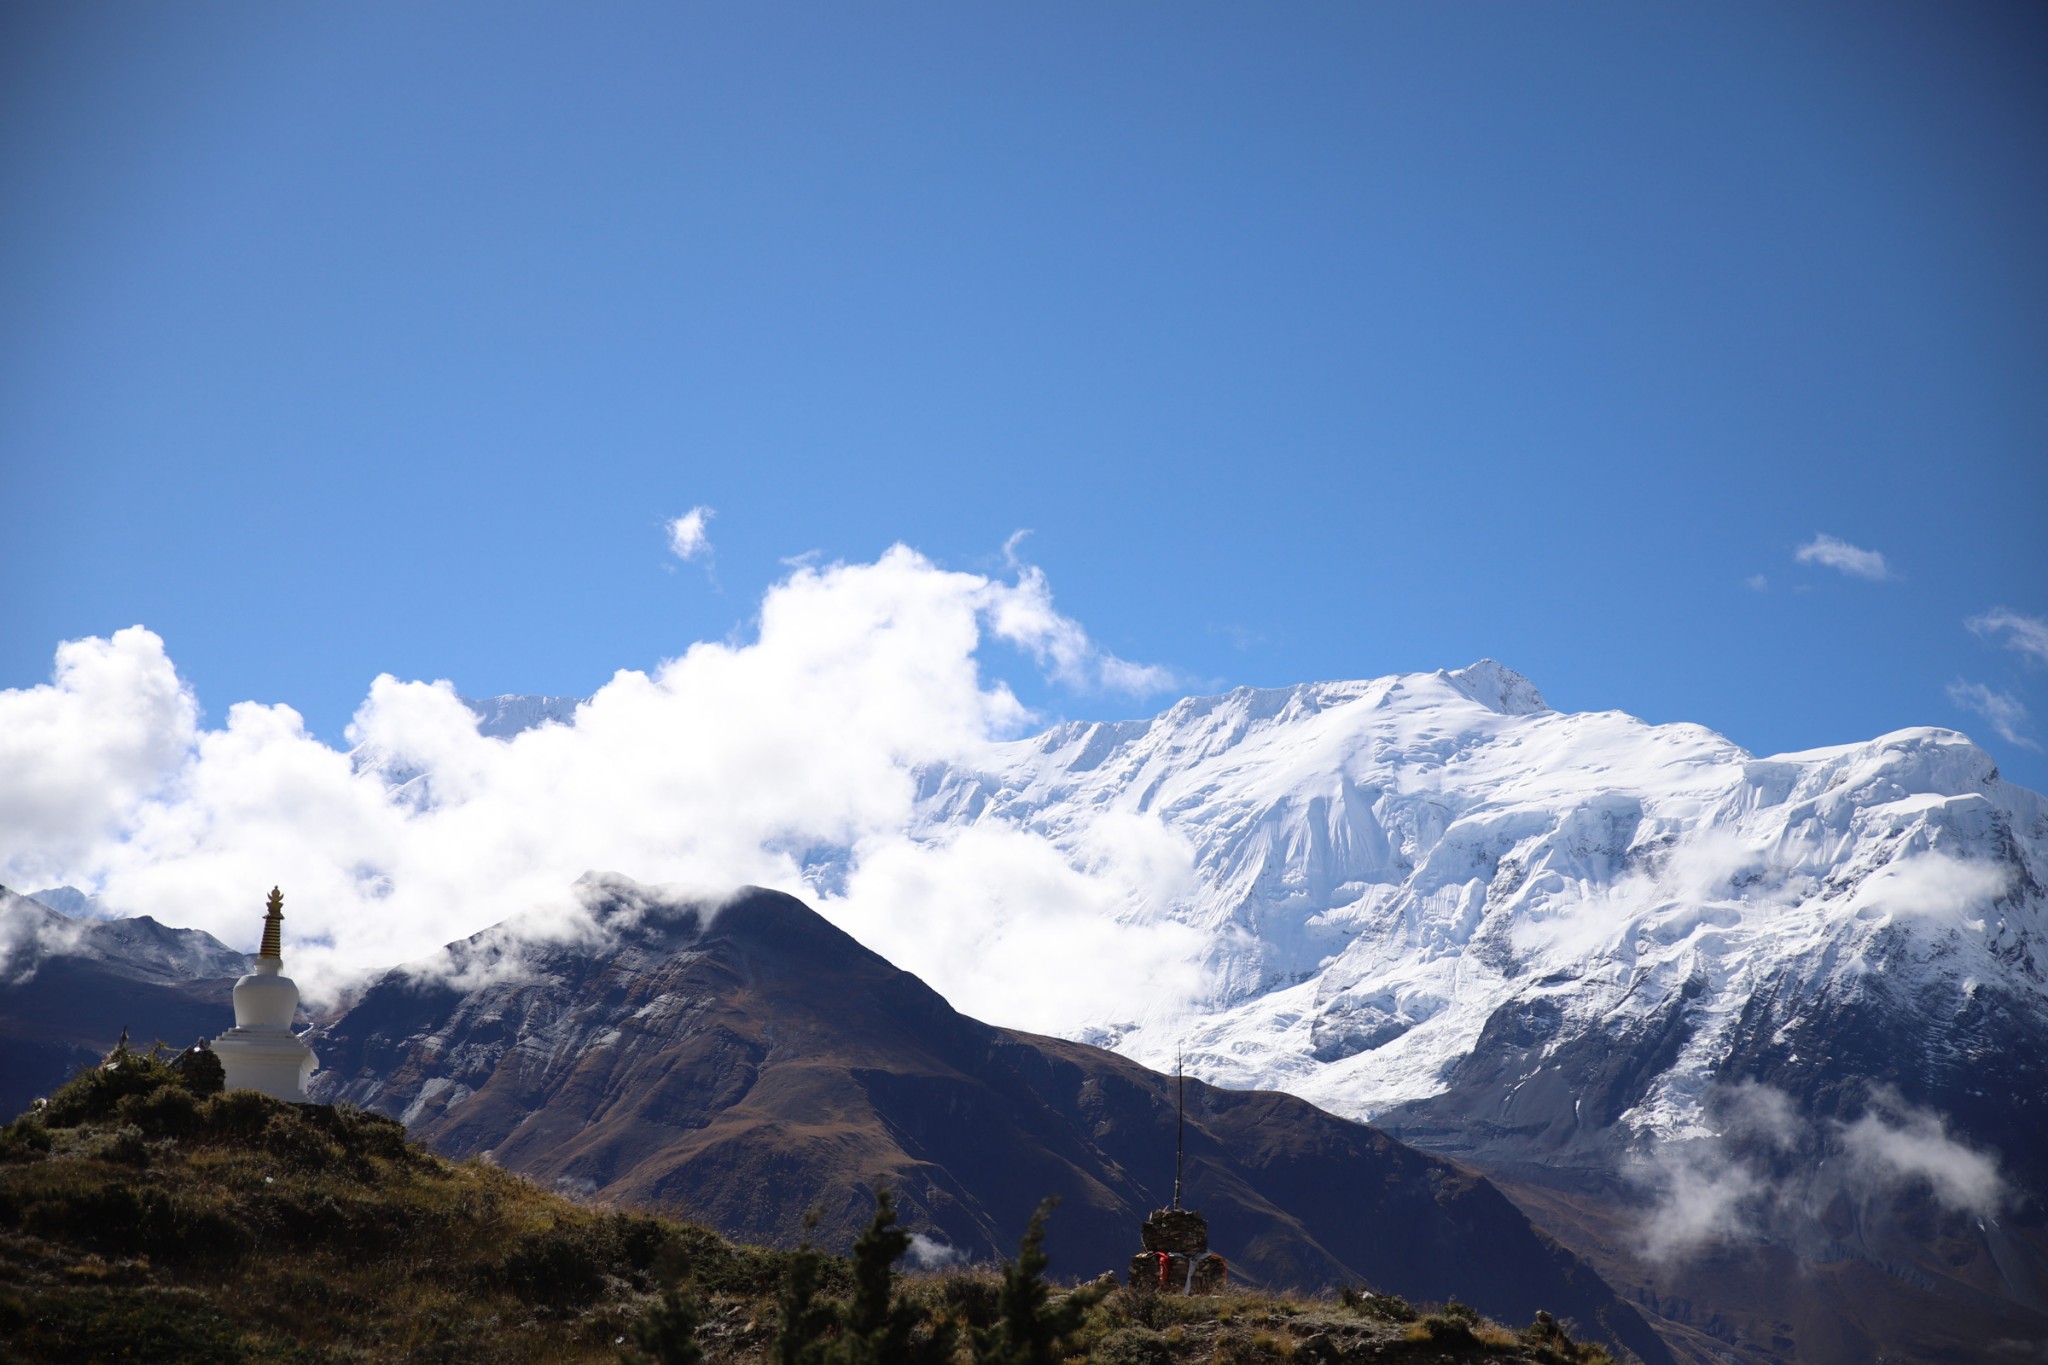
(1180, 1119)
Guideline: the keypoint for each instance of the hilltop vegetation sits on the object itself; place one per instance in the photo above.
(143, 1219)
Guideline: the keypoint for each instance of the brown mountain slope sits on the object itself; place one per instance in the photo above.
(745, 1063)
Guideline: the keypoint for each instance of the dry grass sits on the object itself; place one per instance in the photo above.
(140, 1221)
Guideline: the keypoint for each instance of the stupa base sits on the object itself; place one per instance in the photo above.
(271, 1062)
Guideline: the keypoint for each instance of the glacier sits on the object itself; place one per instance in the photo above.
(1384, 866)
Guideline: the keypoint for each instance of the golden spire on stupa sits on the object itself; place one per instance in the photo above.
(273, 920)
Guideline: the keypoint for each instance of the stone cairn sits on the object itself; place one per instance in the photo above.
(1176, 1258)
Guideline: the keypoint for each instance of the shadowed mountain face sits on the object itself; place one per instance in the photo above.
(1884, 1176)
(68, 987)
(747, 1063)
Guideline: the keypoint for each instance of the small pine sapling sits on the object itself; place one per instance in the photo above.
(801, 1325)
(1029, 1329)
(876, 1327)
(667, 1333)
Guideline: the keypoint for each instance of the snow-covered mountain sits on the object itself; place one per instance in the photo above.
(1691, 1003)
(1688, 1003)
(1390, 871)
(1386, 866)
(502, 717)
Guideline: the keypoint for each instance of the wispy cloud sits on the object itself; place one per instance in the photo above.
(1931, 885)
(1895, 1143)
(2005, 712)
(929, 1253)
(1853, 560)
(1760, 1177)
(1025, 617)
(688, 536)
(1756, 582)
(2027, 634)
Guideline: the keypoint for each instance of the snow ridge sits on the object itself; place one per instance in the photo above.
(1383, 866)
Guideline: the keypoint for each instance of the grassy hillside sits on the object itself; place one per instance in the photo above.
(141, 1220)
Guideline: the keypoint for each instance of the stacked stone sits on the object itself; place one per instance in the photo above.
(1176, 1258)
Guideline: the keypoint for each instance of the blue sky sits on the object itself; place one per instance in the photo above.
(1306, 341)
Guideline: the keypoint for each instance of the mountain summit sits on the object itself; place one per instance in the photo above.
(1580, 948)
(1496, 686)
(745, 1063)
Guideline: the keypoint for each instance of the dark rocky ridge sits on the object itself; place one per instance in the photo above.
(747, 1063)
(1830, 1270)
(68, 987)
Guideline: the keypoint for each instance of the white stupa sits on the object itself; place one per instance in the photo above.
(261, 1052)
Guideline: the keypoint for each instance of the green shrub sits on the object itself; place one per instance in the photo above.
(124, 1144)
(199, 1070)
(667, 1333)
(169, 1111)
(25, 1139)
(1442, 1330)
(640, 1246)
(119, 1220)
(299, 1142)
(1133, 1345)
(974, 1299)
(560, 1266)
(97, 1090)
(238, 1116)
(101, 1324)
(1384, 1307)
(802, 1324)
(361, 1134)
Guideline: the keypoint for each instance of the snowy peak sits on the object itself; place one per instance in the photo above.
(1384, 870)
(1497, 687)
(506, 716)
(137, 949)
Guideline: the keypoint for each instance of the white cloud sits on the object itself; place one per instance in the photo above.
(1715, 1189)
(1762, 1175)
(1701, 1198)
(1025, 617)
(730, 764)
(1756, 582)
(929, 1253)
(26, 939)
(1895, 1143)
(1831, 553)
(77, 753)
(2027, 634)
(688, 537)
(1930, 885)
(1701, 867)
(2005, 712)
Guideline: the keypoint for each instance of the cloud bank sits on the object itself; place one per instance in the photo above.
(1840, 555)
(788, 761)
